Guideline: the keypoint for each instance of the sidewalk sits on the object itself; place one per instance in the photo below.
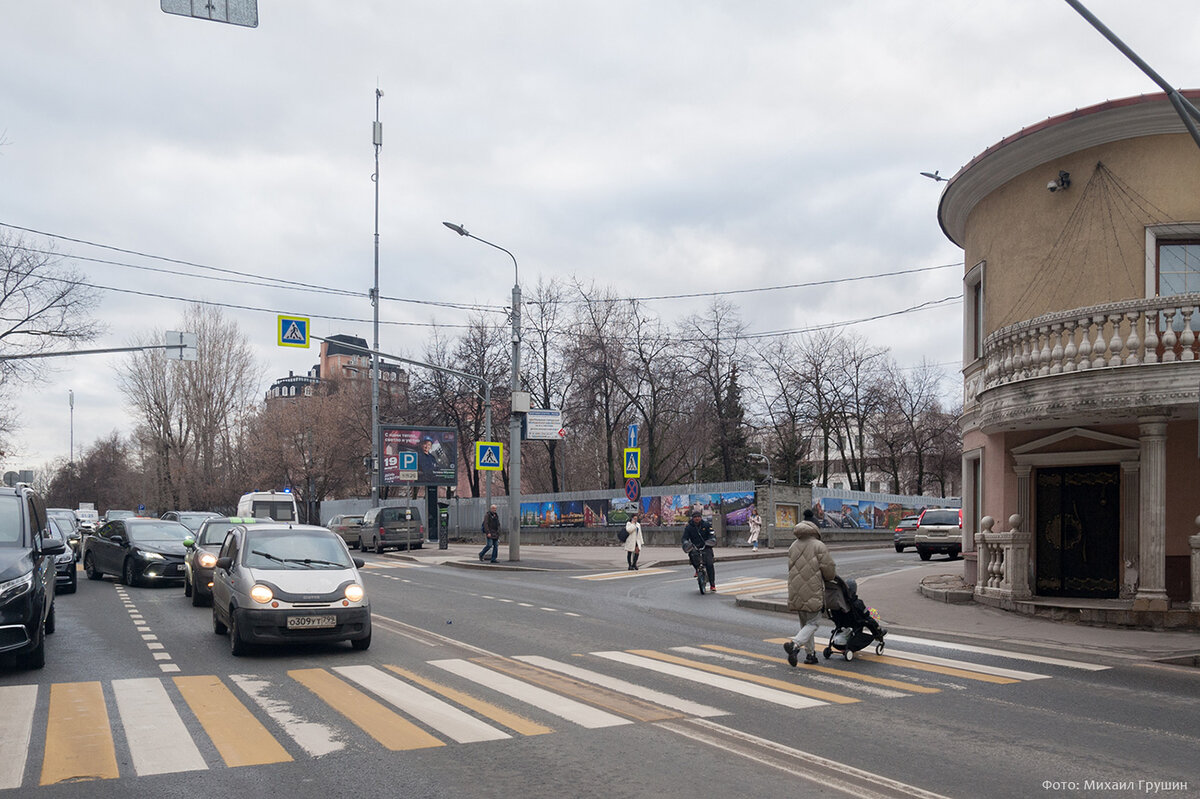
(904, 609)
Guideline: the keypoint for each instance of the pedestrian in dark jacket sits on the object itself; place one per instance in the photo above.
(491, 534)
(698, 541)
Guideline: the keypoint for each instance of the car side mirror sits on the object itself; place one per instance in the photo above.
(359, 563)
(52, 546)
(224, 563)
(189, 542)
(119, 540)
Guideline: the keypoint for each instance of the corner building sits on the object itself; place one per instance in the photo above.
(1081, 365)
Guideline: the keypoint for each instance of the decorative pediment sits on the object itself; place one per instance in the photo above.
(1054, 442)
(1077, 446)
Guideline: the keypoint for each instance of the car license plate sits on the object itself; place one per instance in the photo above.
(309, 622)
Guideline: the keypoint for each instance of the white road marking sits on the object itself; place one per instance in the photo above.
(696, 651)
(559, 705)
(983, 650)
(624, 687)
(722, 682)
(313, 737)
(16, 727)
(442, 716)
(158, 741)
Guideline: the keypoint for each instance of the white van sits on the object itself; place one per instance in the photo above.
(277, 505)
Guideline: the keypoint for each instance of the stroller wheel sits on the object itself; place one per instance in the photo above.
(849, 655)
(827, 653)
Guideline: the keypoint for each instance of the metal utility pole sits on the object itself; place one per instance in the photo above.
(71, 402)
(377, 139)
(1186, 111)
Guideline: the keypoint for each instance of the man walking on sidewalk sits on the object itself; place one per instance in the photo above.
(810, 566)
(491, 534)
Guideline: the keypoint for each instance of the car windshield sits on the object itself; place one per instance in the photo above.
(352, 520)
(10, 521)
(156, 532)
(192, 521)
(940, 517)
(294, 549)
(214, 533)
(68, 518)
(113, 515)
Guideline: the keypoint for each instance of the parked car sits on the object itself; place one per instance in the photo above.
(349, 528)
(399, 527)
(69, 524)
(276, 583)
(66, 571)
(905, 534)
(202, 549)
(191, 519)
(939, 530)
(136, 550)
(27, 549)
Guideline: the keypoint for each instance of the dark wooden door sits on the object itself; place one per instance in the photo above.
(1078, 531)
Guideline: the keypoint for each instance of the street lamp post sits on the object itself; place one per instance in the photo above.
(770, 500)
(514, 424)
(377, 140)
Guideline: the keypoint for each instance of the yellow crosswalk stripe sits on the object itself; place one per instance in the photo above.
(79, 743)
(517, 723)
(374, 718)
(913, 688)
(781, 685)
(622, 575)
(239, 737)
(603, 698)
(752, 587)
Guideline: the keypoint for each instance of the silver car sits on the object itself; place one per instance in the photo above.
(288, 583)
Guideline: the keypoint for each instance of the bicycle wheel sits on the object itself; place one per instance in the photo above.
(702, 579)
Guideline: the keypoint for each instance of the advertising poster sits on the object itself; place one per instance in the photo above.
(619, 511)
(786, 517)
(651, 511)
(425, 456)
(572, 514)
(595, 513)
(736, 507)
(709, 504)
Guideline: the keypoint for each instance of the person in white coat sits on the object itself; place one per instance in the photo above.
(634, 542)
(755, 528)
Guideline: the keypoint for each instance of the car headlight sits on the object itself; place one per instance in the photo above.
(355, 592)
(66, 557)
(14, 588)
(208, 560)
(149, 555)
(261, 594)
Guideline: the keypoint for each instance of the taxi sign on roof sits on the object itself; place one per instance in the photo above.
(293, 331)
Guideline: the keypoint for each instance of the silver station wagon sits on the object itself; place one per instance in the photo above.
(278, 583)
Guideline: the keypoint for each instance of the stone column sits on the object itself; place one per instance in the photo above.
(1023, 470)
(1130, 486)
(1018, 559)
(1152, 527)
(1195, 542)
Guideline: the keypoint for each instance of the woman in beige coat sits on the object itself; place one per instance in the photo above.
(634, 543)
(810, 566)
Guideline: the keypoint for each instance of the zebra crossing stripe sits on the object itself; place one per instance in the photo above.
(158, 741)
(313, 737)
(515, 722)
(16, 730)
(383, 724)
(770, 682)
(910, 687)
(79, 744)
(753, 587)
(621, 575)
(240, 738)
(621, 701)
(561, 706)
(996, 671)
(613, 683)
(443, 717)
(713, 680)
(983, 650)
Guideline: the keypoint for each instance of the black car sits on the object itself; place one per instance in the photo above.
(26, 576)
(66, 574)
(136, 550)
(201, 556)
(69, 525)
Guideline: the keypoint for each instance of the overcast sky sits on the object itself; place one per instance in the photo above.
(657, 147)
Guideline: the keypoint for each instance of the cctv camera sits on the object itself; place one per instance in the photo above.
(1052, 186)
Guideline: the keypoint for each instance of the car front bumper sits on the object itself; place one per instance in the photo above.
(270, 626)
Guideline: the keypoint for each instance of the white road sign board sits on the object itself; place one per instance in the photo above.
(544, 424)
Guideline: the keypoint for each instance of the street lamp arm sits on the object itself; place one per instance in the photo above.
(462, 231)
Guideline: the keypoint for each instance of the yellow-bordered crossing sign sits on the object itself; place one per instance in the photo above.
(293, 331)
(633, 462)
(489, 455)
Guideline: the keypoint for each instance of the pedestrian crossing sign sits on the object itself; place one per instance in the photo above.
(293, 331)
(489, 455)
(633, 462)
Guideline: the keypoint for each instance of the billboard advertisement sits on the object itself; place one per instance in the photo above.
(423, 456)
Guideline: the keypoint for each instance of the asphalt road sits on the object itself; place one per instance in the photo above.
(572, 684)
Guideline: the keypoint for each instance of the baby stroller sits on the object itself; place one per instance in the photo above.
(849, 616)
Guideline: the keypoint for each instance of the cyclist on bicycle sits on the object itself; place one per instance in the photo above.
(698, 542)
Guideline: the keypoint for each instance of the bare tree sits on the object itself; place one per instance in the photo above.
(789, 444)
(44, 307)
(855, 381)
(548, 376)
